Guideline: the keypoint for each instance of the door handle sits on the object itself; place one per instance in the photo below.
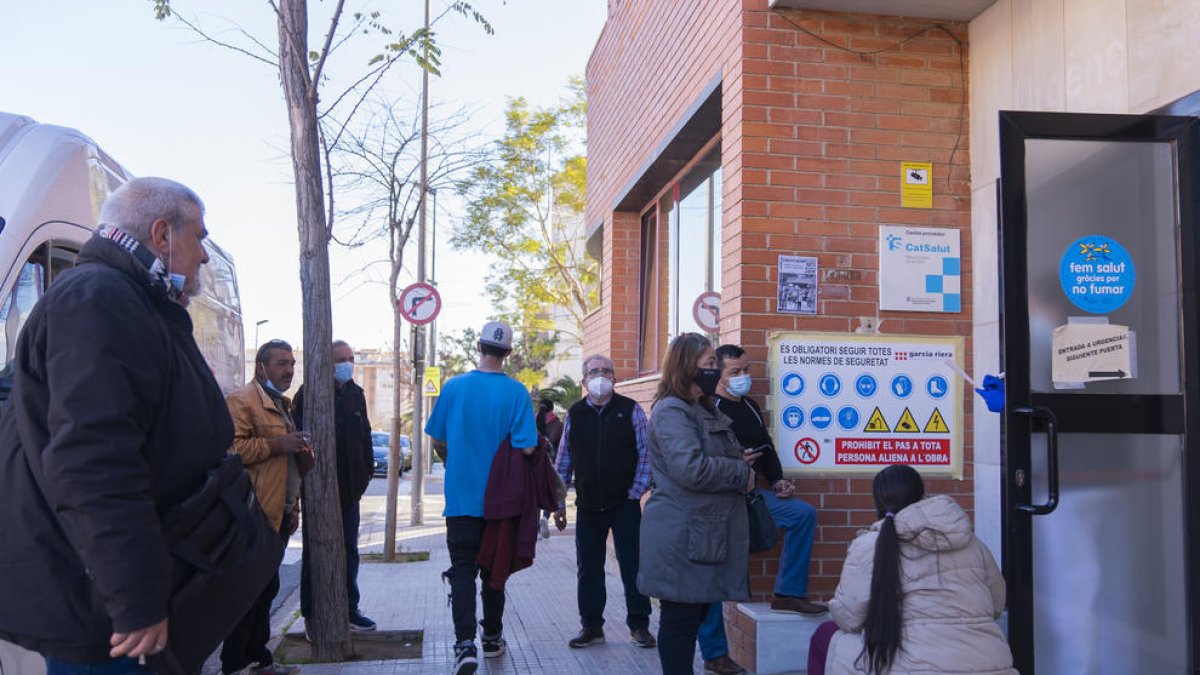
(1047, 416)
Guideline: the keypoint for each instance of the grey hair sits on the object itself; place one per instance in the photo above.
(598, 357)
(137, 204)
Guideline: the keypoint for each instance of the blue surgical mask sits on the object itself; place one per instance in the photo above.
(269, 385)
(178, 280)
(342, 372)
(739, 385)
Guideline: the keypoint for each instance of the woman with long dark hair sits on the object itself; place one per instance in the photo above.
(919, 592)
(695, 536)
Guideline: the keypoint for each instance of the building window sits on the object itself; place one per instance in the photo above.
(648, 292)
(695, 241)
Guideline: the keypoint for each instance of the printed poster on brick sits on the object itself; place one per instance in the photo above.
(920, 269)
(853, 404)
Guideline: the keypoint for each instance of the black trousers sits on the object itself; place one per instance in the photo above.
(464, 534)
(350, 519)
(247, 643)
(591, 535)
(677, 628)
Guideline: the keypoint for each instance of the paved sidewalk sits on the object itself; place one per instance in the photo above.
(540, 614)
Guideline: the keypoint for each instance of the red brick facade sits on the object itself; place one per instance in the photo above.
(812, 137)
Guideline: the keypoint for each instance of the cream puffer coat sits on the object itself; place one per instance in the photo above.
(953, 594)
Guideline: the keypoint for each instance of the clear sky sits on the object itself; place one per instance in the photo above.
(164, 103)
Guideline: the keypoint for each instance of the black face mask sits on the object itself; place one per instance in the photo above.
(707, 379)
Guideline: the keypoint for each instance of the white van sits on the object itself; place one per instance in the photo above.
(53, 181)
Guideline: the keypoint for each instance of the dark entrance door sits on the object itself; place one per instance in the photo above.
(1102, 427)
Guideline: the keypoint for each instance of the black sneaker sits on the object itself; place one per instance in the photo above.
(360, 623)
(493, 646)
(465, 659)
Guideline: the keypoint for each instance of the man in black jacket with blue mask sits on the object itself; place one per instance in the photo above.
(355, 465)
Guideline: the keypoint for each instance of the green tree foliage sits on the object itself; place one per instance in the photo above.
(565, 392)
(526, 208)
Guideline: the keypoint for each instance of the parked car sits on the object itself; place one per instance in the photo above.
(380, 441)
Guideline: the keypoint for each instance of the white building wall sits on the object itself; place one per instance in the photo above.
(1093, 56)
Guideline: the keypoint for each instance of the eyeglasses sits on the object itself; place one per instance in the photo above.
(600, 371)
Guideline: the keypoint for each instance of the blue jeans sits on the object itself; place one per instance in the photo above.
(350, 520)
(799, 522)
(110, 667)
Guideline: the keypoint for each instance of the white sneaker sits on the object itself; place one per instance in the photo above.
(544, 528)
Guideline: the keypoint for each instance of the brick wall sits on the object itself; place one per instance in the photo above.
(812, 137)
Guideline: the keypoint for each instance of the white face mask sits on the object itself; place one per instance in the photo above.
(599, 387)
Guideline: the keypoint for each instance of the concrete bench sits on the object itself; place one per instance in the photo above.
(768, 642)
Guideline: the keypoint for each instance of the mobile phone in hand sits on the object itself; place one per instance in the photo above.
(762, 448)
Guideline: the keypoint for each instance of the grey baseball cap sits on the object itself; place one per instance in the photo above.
(496, 334)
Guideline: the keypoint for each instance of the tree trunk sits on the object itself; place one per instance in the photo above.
(328, 626)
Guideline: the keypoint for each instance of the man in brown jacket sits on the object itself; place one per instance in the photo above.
(276, 455)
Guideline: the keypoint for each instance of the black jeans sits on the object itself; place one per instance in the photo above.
(350, 518)
(677, 628)
(591, 535)
(464, 534)
(247, 643)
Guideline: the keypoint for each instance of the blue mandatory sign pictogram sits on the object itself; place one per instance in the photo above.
(902, 386)
(792, 384)
(866, 386)
(848, 418)
(1097, 274)
(830, 385)
(820, 417)
(936, 386)
(793, 417)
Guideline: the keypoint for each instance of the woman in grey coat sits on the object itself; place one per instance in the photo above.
(695, 537)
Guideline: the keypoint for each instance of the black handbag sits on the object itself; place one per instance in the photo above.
(224, 552)
(763, 531)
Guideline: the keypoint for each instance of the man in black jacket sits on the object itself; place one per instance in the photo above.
(604, 444)
(355, 464)
(114, 418)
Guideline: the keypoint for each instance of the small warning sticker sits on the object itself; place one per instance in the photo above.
(877, 424)
(906, 424)
(936, 424)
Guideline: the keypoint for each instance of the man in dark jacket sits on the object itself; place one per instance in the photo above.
(604, 444)
(355, 464)
(114, 418)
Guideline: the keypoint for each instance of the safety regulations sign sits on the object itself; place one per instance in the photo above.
(845, 403)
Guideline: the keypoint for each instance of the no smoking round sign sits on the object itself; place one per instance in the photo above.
(420, 303)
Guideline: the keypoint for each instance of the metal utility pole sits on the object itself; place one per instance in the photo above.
(432, 324)
(418, 435)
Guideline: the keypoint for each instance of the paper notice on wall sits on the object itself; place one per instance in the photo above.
(1086, 352)
(797, 291)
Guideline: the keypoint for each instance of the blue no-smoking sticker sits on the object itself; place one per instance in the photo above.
(793, 417)
(1097, 274)
(820, 417)
(792, 384)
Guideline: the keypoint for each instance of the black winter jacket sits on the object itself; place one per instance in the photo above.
(352, 433)
(114, 418)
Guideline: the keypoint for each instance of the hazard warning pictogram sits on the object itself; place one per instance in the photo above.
(936, 424)
(877, 424)
(906, 424)
(807, 450)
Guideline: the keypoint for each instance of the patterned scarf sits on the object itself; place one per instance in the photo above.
(157, 270)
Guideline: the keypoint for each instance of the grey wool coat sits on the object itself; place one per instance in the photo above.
(694, 537)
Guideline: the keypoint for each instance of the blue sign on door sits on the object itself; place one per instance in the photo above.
(1097, 274)
(820, 417)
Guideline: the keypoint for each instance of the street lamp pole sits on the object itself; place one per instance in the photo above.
(256, 325)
